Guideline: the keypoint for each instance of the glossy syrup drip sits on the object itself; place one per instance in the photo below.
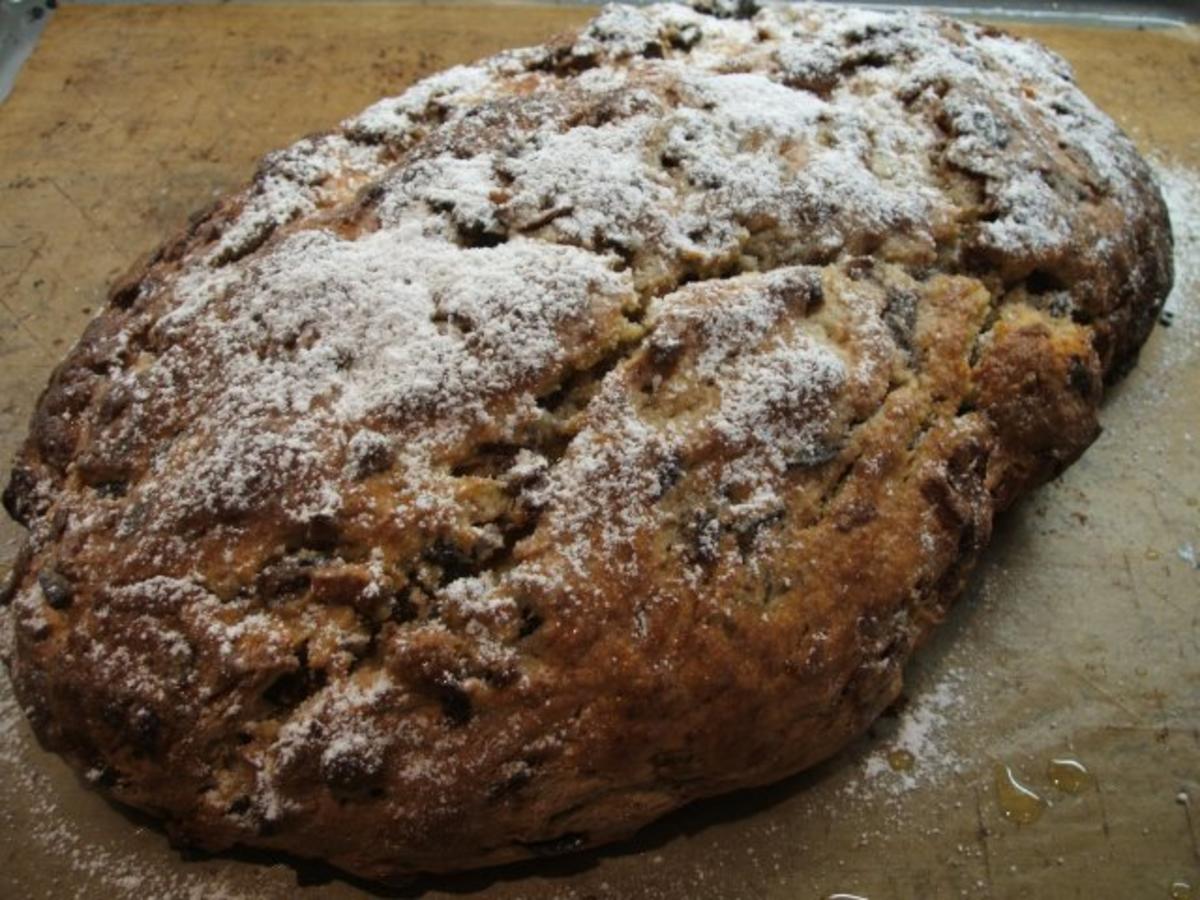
(1069, 775)
(1018, 802)
(901, 760)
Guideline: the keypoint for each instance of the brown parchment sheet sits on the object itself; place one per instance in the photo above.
(1080, 636)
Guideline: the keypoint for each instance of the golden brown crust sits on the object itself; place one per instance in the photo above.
(581, 433)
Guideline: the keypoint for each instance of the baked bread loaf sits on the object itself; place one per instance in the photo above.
(579, 433)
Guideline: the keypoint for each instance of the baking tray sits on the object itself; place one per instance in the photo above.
(1079, 636)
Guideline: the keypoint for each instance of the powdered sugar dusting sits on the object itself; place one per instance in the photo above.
(916, 751)
(760, 402)
(295, 182)
(393, 324)
(592, 184)
(96, 866)
(1181, 191)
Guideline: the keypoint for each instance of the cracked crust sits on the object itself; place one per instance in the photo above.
(583, 432)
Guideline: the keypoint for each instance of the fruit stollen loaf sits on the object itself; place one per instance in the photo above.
(582, 432)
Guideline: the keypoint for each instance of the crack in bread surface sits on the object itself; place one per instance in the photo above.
(436, 464)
